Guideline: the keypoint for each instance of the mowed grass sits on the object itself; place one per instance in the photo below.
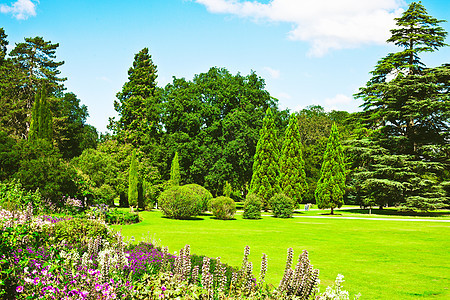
(379, 259)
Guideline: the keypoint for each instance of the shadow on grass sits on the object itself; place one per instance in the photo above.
(185, 219)
(394, 212)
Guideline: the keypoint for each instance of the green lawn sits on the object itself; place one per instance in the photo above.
(380, 259)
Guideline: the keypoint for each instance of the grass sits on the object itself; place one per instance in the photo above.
(380, 259)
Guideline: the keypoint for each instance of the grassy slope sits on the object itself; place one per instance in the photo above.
(380, 259)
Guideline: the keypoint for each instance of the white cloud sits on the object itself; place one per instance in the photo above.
(21, 9)
(275, 74)
(325, 24)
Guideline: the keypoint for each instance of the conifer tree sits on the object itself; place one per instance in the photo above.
(292, 166)
(331, 186)
(175, 177)
(265, 178)
(133, 181)
(41, 125)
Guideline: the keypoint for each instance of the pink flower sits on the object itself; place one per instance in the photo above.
(163, 288)
(19, 289)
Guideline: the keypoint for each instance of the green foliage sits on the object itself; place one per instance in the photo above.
(265, 180)
(133, 181)
(9, 156)
(13, 196)
(213, 122)
(180, 202)
(76, 230)
(116, 216)
(222, 207)
(41, 125)
(292, 166)
(252, 207)
(408, 104)
(227, 189)
(331, 186)
(138, 104)
(282, 206)
(203, 193)
(175, 177)
(41, 167)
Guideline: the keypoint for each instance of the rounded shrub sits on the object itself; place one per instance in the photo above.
(203, 193)
(252, 207)
(282, 206)
(180, 202)
(222, 207)
(75, 230)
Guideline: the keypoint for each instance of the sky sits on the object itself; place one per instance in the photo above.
(309, 52)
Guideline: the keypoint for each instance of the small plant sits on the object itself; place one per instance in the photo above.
(282, 206)
(180, 202)
(222, 207)
(252, 207)
(336, 292)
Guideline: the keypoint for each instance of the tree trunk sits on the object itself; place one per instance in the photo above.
(332, 211)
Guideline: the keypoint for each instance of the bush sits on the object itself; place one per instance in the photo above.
(115, 216)
(180, 202)
(282, 206)
(252, 207)
(222, 207)
(75, 230)
(203, 193)
(13, 196)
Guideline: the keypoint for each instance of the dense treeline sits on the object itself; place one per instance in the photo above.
(396, 151)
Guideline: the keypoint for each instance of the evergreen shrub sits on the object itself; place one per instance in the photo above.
(75, 230)
(222, 207)
(203, 193)
(252, 207)
(282, 206)
(180, 202)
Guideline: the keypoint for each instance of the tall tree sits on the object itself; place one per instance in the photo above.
(265, 178)
(331, 186)
(175, 178)
(408, 104)
(138, 103)
(292, 166)
(133, 181)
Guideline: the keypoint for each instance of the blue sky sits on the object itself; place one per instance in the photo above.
(308, 52)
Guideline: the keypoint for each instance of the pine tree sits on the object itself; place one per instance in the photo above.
(265, 178)
(133, 181)
(41, 125)
(331, 186)
(292, 166)
(408, 105)
(138, 103)
(175, 177)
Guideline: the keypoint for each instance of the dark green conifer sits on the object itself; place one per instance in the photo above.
(292, 166)
(41, 125)
(133, 181)
(175, 177)
(331, 186)
(265, 178)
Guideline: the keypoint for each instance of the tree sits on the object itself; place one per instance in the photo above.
(331, 186)
(407, 104)
(265, 178)
(175, 178)
(213, 122)
(292, 166)
(41, 125)
(138, 103)
(133, 181)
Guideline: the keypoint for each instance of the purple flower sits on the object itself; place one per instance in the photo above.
(19, 289)
(163, 288)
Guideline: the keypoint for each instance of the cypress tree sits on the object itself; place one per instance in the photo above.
(292, 166)
(265, 181)
(41, 125)
(133, 181)
(331, 186)
(175, 177)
